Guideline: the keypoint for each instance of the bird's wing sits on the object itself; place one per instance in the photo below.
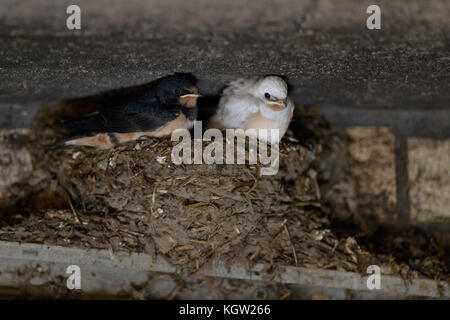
(234, 110)
(125, 118)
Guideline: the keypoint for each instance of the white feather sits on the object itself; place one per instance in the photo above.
(235, 105)
(243, 101)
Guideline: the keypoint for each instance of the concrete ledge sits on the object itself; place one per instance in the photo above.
(15, 256)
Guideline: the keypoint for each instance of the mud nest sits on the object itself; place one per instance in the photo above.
(133, 198)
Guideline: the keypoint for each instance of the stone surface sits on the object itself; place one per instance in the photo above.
(360, 177)
(323, 47)
(373, 153)
(15, 161)
(372, 171)
(429, 179)
(394, 77)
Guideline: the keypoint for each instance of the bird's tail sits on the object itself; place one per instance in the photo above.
(100, 141)
(67, 143)
(87, 129)
(85, 125)
(57, 145)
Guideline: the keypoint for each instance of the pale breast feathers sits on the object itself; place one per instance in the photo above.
(234, 110)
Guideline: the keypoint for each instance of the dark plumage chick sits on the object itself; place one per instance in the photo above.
(169, 104)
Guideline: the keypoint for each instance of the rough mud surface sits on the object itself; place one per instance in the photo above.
(133, 198)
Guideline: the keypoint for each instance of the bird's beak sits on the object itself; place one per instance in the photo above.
(191, 95)
(278, 104)
(189, 100)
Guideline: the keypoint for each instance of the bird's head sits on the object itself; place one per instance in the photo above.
(273, 91)
(178, 89)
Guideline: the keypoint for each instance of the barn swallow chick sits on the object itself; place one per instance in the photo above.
(257, 103)
(169, 104)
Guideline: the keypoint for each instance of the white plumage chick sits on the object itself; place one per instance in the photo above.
(256, 103)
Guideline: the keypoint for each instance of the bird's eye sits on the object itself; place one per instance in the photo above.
(267, 95)
(177, 92)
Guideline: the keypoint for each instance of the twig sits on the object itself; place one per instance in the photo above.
(307, 203)
(254, 254)
(153, 251)
(277, 235)
(111, 252)
(75, 214)
(137, 234)
(166, 258)
(241, 186)
(198, 241)
(196, 205)
(292, 244)
(184, 247)
(285, 295)
(190, 179)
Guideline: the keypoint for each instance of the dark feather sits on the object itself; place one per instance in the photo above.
(145, 112)
(123, 119)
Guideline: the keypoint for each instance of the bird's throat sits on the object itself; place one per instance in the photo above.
(188, 101)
